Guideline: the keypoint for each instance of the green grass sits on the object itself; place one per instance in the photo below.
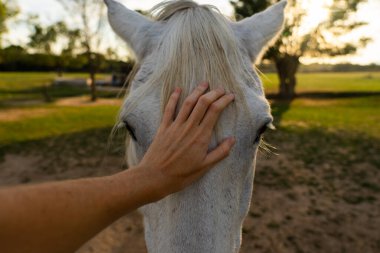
(318, 121)
(31, 85)
(329, 82)
(58, 121)
(356, 115)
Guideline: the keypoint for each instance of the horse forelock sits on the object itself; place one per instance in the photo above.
(196, 45)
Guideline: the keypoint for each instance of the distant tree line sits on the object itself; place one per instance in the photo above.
(17, 58)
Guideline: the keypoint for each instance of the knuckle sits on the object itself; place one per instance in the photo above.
(215, 108)
(205, 100)
(189, 102)
(172, 98)
(220, 91)
(169, 107)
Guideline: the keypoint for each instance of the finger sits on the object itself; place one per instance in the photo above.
(170, 107)
(190, 102)
(204, 103)
(214, 111)
(219, 153)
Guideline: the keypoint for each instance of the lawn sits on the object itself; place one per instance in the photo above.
(356, 114)
(52, 120)
(333, 101)
(329, 82)
(33, 85)
(25, 119)
(352, 115)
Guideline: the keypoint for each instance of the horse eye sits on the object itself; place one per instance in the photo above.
(260, 133)
(130, 130)
(268, 125)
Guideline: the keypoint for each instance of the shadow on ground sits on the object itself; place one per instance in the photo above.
(320, 194)
(56, 155)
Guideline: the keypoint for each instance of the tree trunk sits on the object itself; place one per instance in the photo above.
(287, 67)
(92, 70)
(93, 86)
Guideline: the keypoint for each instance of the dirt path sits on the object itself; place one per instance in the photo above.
(294, 209)
(16, 114)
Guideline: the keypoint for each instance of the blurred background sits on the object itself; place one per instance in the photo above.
(62, 72)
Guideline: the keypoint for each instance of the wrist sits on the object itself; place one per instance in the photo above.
(141, 185)
(152, 181)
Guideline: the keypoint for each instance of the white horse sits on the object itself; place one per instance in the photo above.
(184, 44)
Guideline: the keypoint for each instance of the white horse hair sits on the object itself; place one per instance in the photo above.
(182, 45)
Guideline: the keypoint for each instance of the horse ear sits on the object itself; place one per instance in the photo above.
(261, 29)
(131, 26)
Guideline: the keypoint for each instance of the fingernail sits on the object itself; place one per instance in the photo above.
(221, 89)
(177, 90)
(232, 96)
(204, 85)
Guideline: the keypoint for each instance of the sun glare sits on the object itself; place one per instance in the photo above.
(316, 12)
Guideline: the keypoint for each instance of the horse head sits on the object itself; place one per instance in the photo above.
(183, 44)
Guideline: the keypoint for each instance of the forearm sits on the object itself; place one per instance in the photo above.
(60, 217)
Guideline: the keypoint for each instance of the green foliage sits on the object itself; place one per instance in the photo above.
(92, 17)
(8, 10)
(322, 40)
(246, 8)
(44, 38)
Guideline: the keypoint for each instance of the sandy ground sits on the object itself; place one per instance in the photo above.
(295, 208)
(15, 114)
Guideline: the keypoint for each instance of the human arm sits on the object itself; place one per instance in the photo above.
(61, 216)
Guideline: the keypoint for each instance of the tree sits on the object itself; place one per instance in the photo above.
(91, 17)
(8, 10)
(44, 39)
(324, 40)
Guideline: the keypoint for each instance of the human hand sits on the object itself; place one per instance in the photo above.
(76, 210)
(179, 155)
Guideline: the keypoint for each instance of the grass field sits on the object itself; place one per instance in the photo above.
(31, 85)
(330, 82)
(26, 120)
(319, 194)
(354, 114)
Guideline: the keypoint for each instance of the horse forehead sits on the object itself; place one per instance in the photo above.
(148, 110)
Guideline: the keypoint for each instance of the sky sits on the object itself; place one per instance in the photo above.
(50, 11)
